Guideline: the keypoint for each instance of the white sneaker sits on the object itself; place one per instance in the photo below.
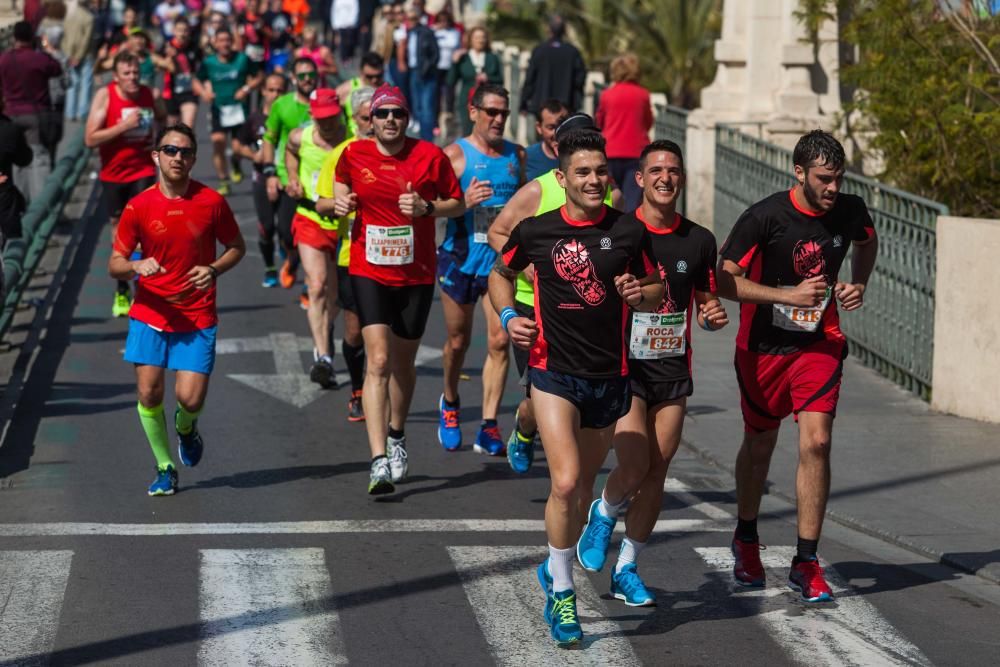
(378, 482)
(396, 451)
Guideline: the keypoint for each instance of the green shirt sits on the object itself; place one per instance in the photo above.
(226, 77)
(287, 114)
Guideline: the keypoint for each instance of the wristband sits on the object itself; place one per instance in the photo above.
(269, 169)
(506, 315)
(704, 324)
(215, 271)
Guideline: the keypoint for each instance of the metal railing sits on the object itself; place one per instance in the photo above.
(894, 332)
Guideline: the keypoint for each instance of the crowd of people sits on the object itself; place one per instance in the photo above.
(572, 248)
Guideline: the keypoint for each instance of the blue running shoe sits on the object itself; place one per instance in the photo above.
(489, 441)
(627, 586)
(592, 548)
(520, 450)
(270, 278)
(165, 483)
(190, 446)
(545, 581)
(449, 432)
(565, 624)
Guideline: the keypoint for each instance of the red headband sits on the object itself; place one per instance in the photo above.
(386, 95)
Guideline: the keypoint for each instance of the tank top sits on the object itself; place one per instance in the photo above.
(352, 126)
(465, 237)
(311, 158)
(127, 157)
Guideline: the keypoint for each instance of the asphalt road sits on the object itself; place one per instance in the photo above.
(272, 552)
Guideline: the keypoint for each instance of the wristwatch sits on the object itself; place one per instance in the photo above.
(215, 271)
(430, 208)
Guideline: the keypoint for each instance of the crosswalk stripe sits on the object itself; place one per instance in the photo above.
(32, 586)
(267, 607)
(849, 631)
(507, 600)
(682, 492)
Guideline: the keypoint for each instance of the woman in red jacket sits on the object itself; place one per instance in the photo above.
(625, 118)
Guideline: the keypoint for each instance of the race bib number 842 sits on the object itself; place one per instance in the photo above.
(657, 336)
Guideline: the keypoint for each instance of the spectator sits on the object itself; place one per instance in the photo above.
(472, 67)
(320, 54)
(625, 118)
(398, 71)
(421, 52)
(556, 70)
(366, 16)
(278, 30)
(24, 87)
(449, 39)
(165, 14)
(14, 151)
(52, 119)
(541, 158)
(80, 59)
(345, 22)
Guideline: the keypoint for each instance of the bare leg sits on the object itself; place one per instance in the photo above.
(812, 480)
(752, 464)
(219, 156)
(497, 362)
(375, 396)
(458, 323)
(319, 276)
(402, 379)
(191, 389)
(559, 424)
(665, 423)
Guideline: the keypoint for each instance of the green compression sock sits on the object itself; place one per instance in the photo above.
(184, 420)
(155, 425)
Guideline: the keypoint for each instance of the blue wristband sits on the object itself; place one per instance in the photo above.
(703, 323)
(506, 315)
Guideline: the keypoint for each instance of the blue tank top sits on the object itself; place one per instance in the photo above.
(465, 238)
(537, 162)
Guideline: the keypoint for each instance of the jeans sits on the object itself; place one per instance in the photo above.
(424, 103)
(81, 81)
(623, 171)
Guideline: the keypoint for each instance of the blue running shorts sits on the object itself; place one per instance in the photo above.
(463, 288)
(177, 350)
(600, 402)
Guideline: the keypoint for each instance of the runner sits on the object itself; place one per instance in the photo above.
(588, 265)
(225, 81)
(659, 367)
(248, 143)
(173, 320)
(288, 112)
(490, 170)
(120, 125)
(315, 234)
(352, 347)
(372, 75)
(781, 262)
(541, 195)
(397, 185)
(181, 61)
(542, 157)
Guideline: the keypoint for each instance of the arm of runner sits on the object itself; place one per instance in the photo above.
(228, 233)
(95, 133)
(522, 205)
(294, 187)
(345, 201)
(522, 330)
(711, 313)
(522, 163)
(125, 242)
(733, 285)
(641, 287)
(851, 295)
(411, 204)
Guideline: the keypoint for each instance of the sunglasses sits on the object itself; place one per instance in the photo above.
(372, 77)
(305, 76)
(172, 151)
(399, 114)
(493, 113)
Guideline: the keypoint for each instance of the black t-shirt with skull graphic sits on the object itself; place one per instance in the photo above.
(778, 244)
(686, 255)
(580, 316)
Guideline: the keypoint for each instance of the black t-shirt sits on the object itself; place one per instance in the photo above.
(660, 342)
(280, 25)
(580, 316)
(779, 245)
(187, 61)
(251, 134)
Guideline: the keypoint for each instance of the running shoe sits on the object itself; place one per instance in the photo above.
(322, 374)
(565, 624)
(270, 278)
(165, 483)
(395, 449)
(747, 568)
(224, 188)
(304, 299)
(520, 450)
(237, 175)
(806, 576)
(190, 446)
(380, 479)
(449, 432)
(628, 587)
(592, 548)
(122, 304)
(489, 441)
(545, 581)
(355, 409)
(286, 276)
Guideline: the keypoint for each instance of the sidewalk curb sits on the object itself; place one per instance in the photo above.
(858, 525)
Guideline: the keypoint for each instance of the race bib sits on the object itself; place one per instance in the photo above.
(315, 186)
(145, 128)
(231, 115)
(389, 246)
(182, 83)
(482, 218)
(797, 318)
(657, 335)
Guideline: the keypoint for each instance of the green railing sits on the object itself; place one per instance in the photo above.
(894, 332)
(6, 37)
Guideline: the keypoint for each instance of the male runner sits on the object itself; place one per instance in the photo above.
(181, 60)
(372, 75)
(225, 81)
(120, 125)
(490, 170)
(541, 195)
(588, 265)
(543, 156)
(659, 367)
(397, 185)
(316, 234)
(781, 262)
(288, 112)
(247, 144)
(173, 320)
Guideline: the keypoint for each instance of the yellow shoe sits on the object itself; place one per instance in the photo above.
(237, 176)
(223, 189)
(121, 305)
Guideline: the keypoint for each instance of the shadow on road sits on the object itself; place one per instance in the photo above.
(253, 479)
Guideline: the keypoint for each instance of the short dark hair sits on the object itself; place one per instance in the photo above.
(303, 60)
(223, 31)
(553, 106)
(484, 89)
(661, 146)
(182, 19)
(818, 148)
(23, 32)
(576, 141)
(372, 59)
(179, 128)
(124, 57)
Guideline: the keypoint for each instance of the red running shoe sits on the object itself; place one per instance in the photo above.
(355, 411)
(286, 276)
(747, 568)
(807, 577)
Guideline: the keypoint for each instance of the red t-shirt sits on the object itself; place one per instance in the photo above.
(180, 234)
(128, 156)
(386, 245)
(625, 118)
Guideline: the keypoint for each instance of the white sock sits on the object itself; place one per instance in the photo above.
(561, 568)
(628, 554)
(607, 509)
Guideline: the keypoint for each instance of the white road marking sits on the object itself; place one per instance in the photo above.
(322, 527)
(849, 631)
(504, 593)
(682, 492)
(32, 586)
(268, 607)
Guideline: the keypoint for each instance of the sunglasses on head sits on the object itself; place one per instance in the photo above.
(171, 151)
(382, 114)
(493, 113)
(304, 76)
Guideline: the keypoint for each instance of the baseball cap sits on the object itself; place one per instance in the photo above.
(323, 103)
